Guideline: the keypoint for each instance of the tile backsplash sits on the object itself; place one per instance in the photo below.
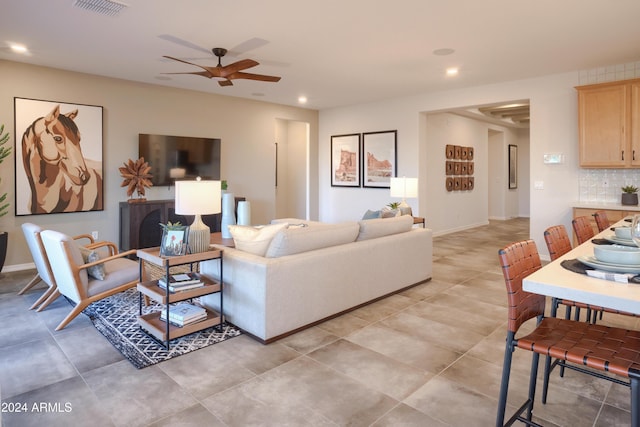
(604, 185)
(626, 71)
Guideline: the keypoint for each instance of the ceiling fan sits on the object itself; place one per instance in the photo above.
(228, 72)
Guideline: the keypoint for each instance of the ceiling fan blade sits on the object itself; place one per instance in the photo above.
(238, 66)
(247, 45)
(197, 73)
(225, 83)
(251, 76)
(184, 43)
(213, 71)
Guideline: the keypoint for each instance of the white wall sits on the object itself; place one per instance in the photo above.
(524, 167)
(349, 203)
(553, 129)
(246, 128)
(443, 129)
(498, 179)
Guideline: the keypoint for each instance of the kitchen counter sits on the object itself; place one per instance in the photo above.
(596, 206)
(614, 212)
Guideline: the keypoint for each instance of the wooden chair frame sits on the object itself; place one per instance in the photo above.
(84, 298)
(50, 294)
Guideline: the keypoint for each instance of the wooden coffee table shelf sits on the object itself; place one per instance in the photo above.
(151, 323)
(158, 328)
(158, 294)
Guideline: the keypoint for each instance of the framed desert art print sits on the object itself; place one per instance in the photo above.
(345, 160)
(379, 158)
(58, 157)
(174, 240)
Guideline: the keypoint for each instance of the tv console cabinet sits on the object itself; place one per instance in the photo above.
(139, 222)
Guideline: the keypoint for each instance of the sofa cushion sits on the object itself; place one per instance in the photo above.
(254, 240)
(296, 240)
(295, 222)
(373, 228)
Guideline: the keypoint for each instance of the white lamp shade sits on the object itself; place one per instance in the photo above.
(198, 197)
(404, 187)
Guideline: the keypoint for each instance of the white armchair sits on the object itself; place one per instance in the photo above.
(34, 242)
(71, 276)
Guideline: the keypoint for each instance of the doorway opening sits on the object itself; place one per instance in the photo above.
(292, 179)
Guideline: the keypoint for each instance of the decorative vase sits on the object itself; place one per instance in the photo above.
(244, 213)
(228, 214)
(630, 199)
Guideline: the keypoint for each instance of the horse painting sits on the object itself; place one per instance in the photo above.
(60, 178)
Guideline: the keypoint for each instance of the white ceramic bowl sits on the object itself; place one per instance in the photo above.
(617, 254)
(623, 232)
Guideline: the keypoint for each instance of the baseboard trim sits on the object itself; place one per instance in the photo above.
(18, 267)
(455, 230)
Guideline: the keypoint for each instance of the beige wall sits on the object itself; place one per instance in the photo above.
(553, 130)
(246, 127)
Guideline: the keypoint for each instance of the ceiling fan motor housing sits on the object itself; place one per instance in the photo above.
(219, 51)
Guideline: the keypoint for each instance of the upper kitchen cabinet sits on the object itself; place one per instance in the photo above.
(609, 124)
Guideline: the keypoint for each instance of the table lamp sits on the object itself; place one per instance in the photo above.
(404, 187)
(198, 198)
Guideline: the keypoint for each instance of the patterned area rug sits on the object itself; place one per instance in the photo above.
(116, 318)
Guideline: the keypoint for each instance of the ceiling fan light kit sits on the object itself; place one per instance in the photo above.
(224, 74)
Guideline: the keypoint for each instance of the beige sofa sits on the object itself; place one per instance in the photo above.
(316, 271)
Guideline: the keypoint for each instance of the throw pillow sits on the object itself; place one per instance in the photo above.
(254, 240)
(406, 211)
(369, 214)
(390, 213)
(89, 255)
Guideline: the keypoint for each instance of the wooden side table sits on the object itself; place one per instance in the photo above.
(419, 220)
(163, 331)
(217, 239)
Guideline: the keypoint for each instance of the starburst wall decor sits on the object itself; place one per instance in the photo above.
(136, 178)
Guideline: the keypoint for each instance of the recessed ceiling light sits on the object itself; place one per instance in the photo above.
(444, 51)
(18, 48)
(302, 99)
(453, 71)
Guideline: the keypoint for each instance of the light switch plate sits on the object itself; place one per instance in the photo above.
(553, 158)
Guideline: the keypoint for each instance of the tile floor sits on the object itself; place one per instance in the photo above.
(430, 356)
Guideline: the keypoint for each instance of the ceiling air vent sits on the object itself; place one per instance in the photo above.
(103, 7)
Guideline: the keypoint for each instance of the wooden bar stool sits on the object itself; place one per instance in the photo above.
(604, 350)
(601, 220)
(582, 228)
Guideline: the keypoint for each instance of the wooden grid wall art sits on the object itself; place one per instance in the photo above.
(459, 168)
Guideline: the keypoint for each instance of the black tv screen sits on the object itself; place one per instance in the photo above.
(180, 157)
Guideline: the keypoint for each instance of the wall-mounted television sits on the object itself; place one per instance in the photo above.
(180, 157)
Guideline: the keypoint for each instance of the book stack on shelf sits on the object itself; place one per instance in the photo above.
(181, 282)
(183, 314)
